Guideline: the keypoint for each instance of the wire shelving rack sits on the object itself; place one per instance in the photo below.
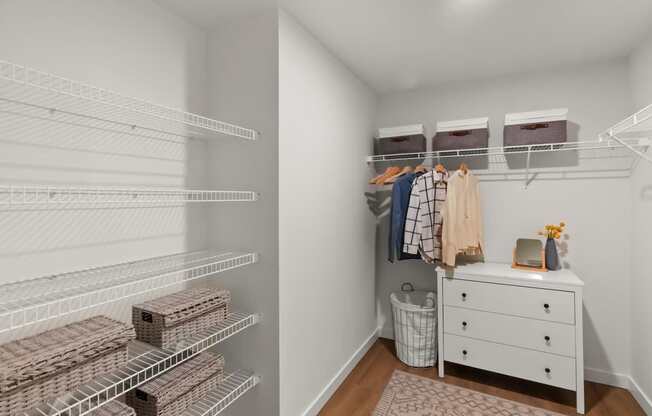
(624, 154)
(145, 363)
(17, 195)
(231, 389)
(32, 301)
(28, 94)
(53, 94)
(626, 143)
(506, 151)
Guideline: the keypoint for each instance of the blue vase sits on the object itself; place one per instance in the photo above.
(552, 258)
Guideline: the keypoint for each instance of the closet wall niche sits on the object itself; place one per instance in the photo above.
(110, 191)
(524, 186)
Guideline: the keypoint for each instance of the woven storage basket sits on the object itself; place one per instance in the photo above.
(30, 395)
(174, 391)
(37, 357)
(165, 321)
(114, 408)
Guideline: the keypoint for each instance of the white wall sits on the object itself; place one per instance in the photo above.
(326, 232)
(597, 210)
(641, 307)
(135, 48)
(243, 74)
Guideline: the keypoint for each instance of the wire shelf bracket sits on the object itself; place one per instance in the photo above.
(638, 124)
(38, 89)
(38, 300)
(145, 364)
(234, 386)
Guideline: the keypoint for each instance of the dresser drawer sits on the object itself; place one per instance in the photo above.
(537, 366)
(550, 337)
(544, 304)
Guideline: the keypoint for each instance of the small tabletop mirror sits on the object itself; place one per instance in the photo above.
(529, 254)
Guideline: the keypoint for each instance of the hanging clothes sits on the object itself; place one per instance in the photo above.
(423, 224)
(462, 217)
(400, 201)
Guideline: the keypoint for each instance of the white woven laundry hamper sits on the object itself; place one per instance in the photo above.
(415, 326)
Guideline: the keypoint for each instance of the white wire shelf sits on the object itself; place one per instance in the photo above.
(572, 160)
(509, 150)
(37, 300)
(234, 386)
(29, 87)
(636, 125)
(17, 195)
(145, 363)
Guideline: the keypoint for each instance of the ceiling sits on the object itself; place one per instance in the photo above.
(405, 44)
(208, 13)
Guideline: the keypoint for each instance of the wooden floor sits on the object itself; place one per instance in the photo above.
(360, 392)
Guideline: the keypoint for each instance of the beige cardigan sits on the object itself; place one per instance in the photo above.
(462, 218)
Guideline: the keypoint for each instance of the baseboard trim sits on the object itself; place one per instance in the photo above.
(640, 396)
(620, 380)
(386, 332)
(605, 377)
(323, 397)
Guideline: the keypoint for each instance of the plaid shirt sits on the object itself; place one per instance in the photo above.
(423, 224)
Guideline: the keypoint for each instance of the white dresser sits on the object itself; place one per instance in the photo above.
(519, 323)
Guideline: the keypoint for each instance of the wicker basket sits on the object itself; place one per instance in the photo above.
(31, 359)
(114, 408)
(174, 391)
(165, 321)
(30, 395)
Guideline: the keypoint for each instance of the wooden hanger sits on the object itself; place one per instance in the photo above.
(464, 168)
(441, 170)
(373, 181)
(421, 169)
(394, 178)
(391, 171)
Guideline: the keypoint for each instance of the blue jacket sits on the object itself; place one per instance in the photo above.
(400, 202)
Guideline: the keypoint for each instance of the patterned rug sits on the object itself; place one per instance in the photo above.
(411, 395)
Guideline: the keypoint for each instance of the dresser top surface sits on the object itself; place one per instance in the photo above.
(501, 271)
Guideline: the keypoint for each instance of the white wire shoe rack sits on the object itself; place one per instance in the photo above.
(145, 363)
(57, 96)
(32, 301)
(624, 145)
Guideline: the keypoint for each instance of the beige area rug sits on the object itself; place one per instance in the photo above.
(410, 395)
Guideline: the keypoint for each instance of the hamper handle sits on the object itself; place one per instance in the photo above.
(399, 139)
(535, 126)
(407, 285)
(460, 133)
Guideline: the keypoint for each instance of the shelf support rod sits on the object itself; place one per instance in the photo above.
(632, 149)
(527, 168)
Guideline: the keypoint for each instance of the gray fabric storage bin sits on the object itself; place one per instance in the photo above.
(538, 127)
(401, 139)
(461, 134)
